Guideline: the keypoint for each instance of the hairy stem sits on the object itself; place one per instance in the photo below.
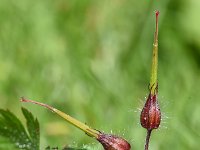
(154, 68)
(89, 131)
(147, 139)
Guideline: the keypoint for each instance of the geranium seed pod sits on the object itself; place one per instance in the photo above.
(109, 142)
(151, 116)
(112, 142)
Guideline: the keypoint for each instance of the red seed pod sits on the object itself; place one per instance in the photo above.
(109, 142)
(151, 116)
(112, 142)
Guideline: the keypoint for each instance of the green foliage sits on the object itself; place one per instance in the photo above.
(13, 130)
(33, 128)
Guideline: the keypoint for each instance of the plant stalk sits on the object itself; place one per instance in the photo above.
(147, 139)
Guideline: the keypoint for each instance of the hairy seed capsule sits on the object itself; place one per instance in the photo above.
(112, 142)
(151, 116)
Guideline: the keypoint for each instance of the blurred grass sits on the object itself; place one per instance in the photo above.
(91, 59)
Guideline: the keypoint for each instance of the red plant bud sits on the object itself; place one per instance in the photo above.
(151, 116)
(112, 142)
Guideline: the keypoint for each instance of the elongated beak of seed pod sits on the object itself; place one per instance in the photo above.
(112, 142)
(151, 116)
(108, 141)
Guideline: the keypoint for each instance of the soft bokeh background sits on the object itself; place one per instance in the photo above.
(92, 60)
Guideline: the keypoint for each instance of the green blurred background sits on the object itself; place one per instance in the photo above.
(92, 59)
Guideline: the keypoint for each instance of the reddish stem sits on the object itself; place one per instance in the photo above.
(38, 103)
(147, 139)
(156, 32)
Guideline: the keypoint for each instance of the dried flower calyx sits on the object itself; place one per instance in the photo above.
(112, 142)
(151, 116)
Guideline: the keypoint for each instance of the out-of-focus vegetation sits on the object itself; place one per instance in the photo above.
(91, 59)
